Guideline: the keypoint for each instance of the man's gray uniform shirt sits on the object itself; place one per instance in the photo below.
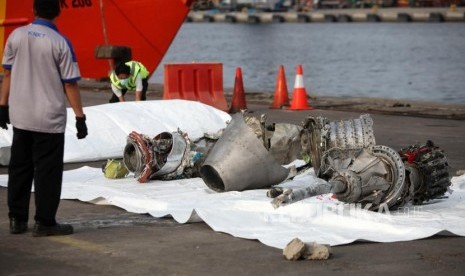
(41, 60)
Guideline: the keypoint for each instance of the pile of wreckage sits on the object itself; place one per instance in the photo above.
(251, 154)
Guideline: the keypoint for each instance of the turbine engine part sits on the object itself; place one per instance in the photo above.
(427, 171)
(238, 161)
(138, 156)
(150, 158)
(319, 135)
(373, 176)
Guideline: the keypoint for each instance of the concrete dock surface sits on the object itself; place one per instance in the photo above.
(111, 241)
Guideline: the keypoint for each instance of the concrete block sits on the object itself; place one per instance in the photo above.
(420, 16)
(389, 17)
(219, 17)
(317, 17)
(241, 17)
(291, 17)
(297, 249)
(315, 251)
(455, 16)
(196, 17)
(359, 17)
(265, 17)
(294, 250)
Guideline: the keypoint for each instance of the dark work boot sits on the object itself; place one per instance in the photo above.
(17, 226)
(41, 230)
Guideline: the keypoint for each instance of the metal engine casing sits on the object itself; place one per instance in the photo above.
(319, 135)
(149, 158)
(427, 172)
(373, 175)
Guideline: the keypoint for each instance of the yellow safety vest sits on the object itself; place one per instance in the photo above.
(137, 68)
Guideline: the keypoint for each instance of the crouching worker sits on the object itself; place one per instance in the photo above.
(129, 76)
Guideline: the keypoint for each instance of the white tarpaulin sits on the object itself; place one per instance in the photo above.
(247, 214)
(109, 125)
(250, 215)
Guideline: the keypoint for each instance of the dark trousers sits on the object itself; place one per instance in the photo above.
(145, 86)
(35, 156)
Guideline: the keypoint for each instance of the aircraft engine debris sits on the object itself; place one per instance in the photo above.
(166, 156)
(358, 171)
(238, 161)
(319, 135)
(374, 175)
(282, 140)
(427, 172)
(249, 154)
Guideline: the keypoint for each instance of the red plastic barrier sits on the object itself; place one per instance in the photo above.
(201, 82)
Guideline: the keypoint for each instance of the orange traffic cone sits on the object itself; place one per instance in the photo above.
(281, 98)
(238, 99)
(299, 96)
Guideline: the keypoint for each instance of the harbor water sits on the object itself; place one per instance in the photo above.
(412, 61)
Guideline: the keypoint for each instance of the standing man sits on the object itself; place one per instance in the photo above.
(131, 75)
(40, 73)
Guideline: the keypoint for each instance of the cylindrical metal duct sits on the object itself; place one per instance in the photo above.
(148, 158)
(239, 161)
(138, 156)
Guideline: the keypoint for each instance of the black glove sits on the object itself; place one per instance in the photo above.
(4, 116)
(81, 127)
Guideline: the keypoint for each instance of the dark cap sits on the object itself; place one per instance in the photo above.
(48, 9)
